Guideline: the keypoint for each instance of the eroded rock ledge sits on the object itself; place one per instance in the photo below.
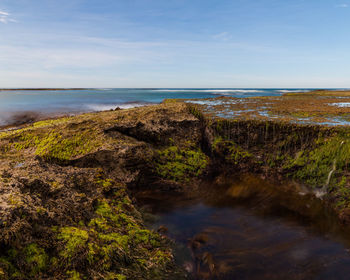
(66, 210)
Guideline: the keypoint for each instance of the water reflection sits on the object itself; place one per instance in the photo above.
(247, 228)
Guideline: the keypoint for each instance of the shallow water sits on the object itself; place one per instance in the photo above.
(75, 101)
(248, 228)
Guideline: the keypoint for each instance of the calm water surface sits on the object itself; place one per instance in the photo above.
(247, 228)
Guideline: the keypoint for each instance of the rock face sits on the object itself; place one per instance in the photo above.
(312, 155)
(66, 211)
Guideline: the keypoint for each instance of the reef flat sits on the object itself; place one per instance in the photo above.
(320, 92)
(66, 204)
(302, 108)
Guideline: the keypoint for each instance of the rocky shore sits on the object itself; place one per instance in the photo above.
(66, 205)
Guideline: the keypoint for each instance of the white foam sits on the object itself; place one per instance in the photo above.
(212, 90)
(207, 102)
(296, 90)
(133, 105)
(341, 104)
(106, 107)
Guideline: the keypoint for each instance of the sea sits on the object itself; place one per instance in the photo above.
(46, 102)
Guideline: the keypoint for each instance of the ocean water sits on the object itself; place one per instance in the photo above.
(88, 100)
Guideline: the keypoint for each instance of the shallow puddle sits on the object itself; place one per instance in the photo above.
(248, 228)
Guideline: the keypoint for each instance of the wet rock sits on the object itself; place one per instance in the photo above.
(201, 238)
(189, 267)
(162, 229)
(345, 216)
(208, 260)
(23, 118)
(194, 245)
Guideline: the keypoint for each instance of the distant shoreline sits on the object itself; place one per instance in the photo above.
(15, 89)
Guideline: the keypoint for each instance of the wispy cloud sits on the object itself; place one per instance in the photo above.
(224, 36)
(342, 6)
(5, 17)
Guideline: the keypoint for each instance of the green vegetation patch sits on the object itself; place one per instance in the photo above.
(74, 239)
(114, 243)
(51, 122)
(63, 147)
(111, 244)
(8, 270)
(230, 151)
(34, 262)
(195, 111)
(56, 143)
(36, 257)
(314, 166)
(181, 164)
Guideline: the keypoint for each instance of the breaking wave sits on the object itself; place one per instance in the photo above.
(295, 90)
(106, 107)
(212, 90)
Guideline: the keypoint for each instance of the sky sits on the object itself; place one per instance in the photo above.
(175, 43)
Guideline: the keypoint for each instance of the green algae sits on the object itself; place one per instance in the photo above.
(114, 276)
(54, 144)
(36, 261)
(314, 165)
(52, 122)
(170, 100)
(105, 183)
(111, 238)
(8, 270)
(36, 257)
(75, 240)
(195, 111)
(33, 127)
(57, 140)
(180, 164)
(231, 151)
(73, 275)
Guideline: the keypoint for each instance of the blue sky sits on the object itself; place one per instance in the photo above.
(174, 43)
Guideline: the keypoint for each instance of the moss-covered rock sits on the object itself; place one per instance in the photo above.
(181, 164)
(65, 212)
